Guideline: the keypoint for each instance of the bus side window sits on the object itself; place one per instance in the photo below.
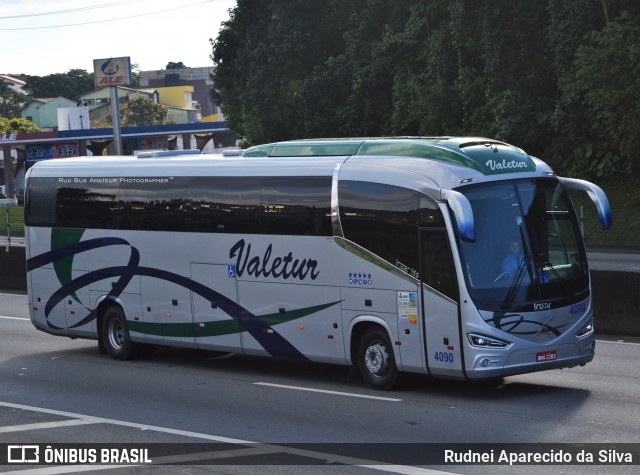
(383, 220)
(84, 205)
(223, 204)
(151, 206)
(437, 263)
(41, 202)
(299, 206)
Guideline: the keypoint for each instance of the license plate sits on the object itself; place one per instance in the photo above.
(546, 356)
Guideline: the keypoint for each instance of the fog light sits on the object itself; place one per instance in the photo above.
(485, 362)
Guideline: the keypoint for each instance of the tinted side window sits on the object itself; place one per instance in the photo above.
(152, 204)
(85, 205)
(223, 205)
(296, 206)
(248, 205)
(382, 219)
(438, 271)
(40, 206)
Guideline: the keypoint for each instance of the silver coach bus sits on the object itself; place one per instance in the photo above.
(455, 257)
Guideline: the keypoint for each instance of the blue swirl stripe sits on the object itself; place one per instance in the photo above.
(274, 343)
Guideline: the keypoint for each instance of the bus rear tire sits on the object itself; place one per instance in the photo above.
(115, 334)
(376, 361)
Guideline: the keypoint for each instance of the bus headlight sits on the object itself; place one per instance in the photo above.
(481, 341)
(586, 330)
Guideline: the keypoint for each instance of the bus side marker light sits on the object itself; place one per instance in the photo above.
(330, 337)
(301, 327)
(168, 315)
(450, 348)
(398, 343)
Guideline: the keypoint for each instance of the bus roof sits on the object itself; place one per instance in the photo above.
(421, 163)
(487, 156)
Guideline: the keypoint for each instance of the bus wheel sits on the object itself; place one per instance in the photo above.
(115, 334)
(375, 359)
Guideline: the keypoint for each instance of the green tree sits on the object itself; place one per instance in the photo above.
(139, 111)
(263, 55)
(537, 74)
(70, 84)
(135, 75)
(425, 99)
(13, 126)
(143, 111)
(569, 22)
(611, 96)
(172, 65)
(577, 148)
(17, 125)
(10, 101)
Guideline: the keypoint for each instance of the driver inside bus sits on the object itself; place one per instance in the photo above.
(513, 259)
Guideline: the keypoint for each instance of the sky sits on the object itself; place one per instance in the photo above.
(42, 37)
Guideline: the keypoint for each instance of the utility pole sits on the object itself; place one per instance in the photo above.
(115, 114)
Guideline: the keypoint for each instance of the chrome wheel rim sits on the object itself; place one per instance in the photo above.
(116, 334)
(376, 359)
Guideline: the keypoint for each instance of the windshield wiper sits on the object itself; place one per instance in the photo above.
(515, 284)
(546, 263)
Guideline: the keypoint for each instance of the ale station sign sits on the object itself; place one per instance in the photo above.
(112, 71)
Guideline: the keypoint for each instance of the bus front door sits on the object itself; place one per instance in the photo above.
(440, 304)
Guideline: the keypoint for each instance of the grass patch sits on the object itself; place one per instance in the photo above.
(16, 221)
(624, 197)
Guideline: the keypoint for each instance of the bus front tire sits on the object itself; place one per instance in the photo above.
(115, 334)
(376, 361)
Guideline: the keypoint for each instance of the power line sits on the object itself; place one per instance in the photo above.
(71, 10)
(103, 21)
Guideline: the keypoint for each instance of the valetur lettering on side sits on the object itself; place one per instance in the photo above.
(285, 267)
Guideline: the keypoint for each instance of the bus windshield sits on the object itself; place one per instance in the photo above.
(528, 246)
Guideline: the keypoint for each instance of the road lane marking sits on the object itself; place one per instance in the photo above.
(134, 425)
(15, 318)
(371, 464)
(324, 391)
(46, 425)
(618, 342)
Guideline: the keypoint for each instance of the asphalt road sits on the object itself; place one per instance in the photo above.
(55, 390)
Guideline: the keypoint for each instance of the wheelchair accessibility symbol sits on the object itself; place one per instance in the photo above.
(231, 271)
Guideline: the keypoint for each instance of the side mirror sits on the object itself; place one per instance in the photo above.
(463, 213)
(596, 194)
